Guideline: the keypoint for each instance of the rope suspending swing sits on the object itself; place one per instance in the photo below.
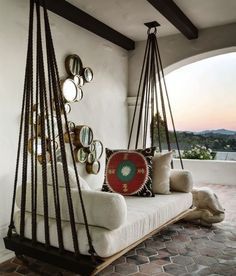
(44, 103)
(152, 101)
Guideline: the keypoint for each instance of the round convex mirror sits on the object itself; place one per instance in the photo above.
(67, 108)
(88, 74)
(69, 90)
(97, 149)
(93, 168)
(91, 157)
(92, 147)
(83, 136)
(52, 126)
(73, 65)
(35, 146)
(40, 158)
(79, 94)
(80, 155)
(79, 80)
(71, 126)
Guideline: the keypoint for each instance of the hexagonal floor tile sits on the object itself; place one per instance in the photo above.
(146, 252)
(159, 261)
(182, 260)
(155, 244)
(205, 260)
(137, 259)
(175, 269)
(150, 269)
(126, 268)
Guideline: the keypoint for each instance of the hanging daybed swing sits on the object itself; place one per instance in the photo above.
(44, 103)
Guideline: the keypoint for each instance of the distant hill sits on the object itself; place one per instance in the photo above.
(216, 131)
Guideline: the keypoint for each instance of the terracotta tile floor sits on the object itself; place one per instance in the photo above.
(180, 249)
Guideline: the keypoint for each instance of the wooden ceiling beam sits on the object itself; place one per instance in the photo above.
(175, 15)
(86, 21)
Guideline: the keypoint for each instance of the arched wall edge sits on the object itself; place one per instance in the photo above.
(198, 57)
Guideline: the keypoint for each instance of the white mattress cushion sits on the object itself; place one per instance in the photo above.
(144, 215)
(102, 209)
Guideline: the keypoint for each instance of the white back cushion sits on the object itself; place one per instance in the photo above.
(161, 173)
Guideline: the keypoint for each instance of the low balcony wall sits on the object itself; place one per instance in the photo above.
(210, 171)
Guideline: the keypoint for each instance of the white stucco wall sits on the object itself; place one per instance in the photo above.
(177, 51)
(103, 108)
(210, 171)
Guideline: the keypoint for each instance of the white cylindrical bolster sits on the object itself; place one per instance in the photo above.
(106, 210)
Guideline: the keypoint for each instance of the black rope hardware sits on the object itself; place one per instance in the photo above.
(152, 100)
(44, 103)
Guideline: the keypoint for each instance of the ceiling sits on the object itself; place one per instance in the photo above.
(128, 16)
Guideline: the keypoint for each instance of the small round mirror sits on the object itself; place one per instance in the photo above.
(80, 155)
(69, 90)
(35, 146)
(97, 149)
(73, 65)
(67, 108)
(40, 158)
(93, 168)
(52, 126)
(79, 80)
(79, 94)
(83, 136)
(91, 157)
(88, 74)
(71, 126)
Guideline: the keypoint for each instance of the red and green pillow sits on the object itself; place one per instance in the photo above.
(129, 172)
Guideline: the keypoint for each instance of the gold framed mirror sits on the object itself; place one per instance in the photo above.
(83, 136)
(73, 65)
(88, 74)
(79, 80)
(93, 168)
(69, 90)
(97, 149)
(80, 155)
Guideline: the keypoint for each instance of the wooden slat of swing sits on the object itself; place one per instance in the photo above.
(83, 265)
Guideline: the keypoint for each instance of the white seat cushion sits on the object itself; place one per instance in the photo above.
(144, 215)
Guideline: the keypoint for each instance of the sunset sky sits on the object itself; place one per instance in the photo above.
(203, 94)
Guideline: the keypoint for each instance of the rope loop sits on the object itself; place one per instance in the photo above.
(149, 31)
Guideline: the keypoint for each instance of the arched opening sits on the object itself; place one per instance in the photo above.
(202, 93)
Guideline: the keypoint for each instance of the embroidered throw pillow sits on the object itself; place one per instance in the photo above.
(129, 172)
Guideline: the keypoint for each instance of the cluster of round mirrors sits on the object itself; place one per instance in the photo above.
(78, 76)
(87, 151)
(35, 145)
